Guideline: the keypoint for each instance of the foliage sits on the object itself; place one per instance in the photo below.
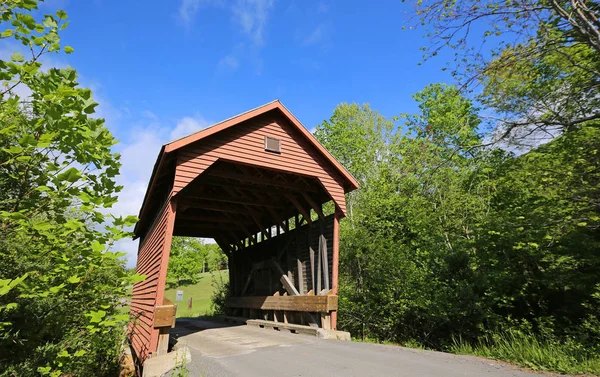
(191, 256)
(449, 240)
(533, 351)
(541, 68)
(57, 177)
(221, 291)
(180, 369)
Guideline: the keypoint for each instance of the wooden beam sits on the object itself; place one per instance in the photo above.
(323, 247)
(299, 268)
(299, 207)
(284, 248)
(237, 241)
(215, 207)
(314, 205)
(234, 201)
(277, 219)
(319, 268)
(326, 320)
(210, 219)
(261, 180)
(314, 304)
(287, 284)
(311, 253)
(248, 280)
(223, 245)
(263, 230)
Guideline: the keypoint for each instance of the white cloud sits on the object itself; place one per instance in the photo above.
(318, 35)
(188, 125)
(252, 16)
(189, 9)
(149, 114)
(229, 62)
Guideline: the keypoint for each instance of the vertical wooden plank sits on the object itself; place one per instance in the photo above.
(319, 262)
(323, 245)
(163, 341)
(326, 321)
(335, 260)
(311, 253)
(299, 266)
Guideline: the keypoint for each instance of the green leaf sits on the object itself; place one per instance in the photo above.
(137, 278)
(97, 246)
(61, 14)
(44, 370)
(42, 226)
(56, 288)
(74, 279)
(15, 149)
(6, 130)
(96, 316)
(121, 317)
(6, 285)
(50, 22)
(17, 57)
(68, 49)
(6, 33)
(79, 353)
(72, 175)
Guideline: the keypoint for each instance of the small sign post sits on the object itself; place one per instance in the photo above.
(179, 296)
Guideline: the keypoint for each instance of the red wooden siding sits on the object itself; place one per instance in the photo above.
(245, 144)
(153, 258)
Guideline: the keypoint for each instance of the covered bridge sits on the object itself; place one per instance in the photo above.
(258, 184)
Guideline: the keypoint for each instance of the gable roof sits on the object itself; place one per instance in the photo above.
(350, 182)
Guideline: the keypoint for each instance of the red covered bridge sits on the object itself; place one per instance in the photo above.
(258, 184)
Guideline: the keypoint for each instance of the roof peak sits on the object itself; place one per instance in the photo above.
(226, 120)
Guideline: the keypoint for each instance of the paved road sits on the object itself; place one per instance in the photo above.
(248, 351)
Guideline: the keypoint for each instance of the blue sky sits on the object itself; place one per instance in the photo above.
(162, 69)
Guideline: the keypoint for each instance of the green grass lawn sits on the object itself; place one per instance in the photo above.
(200, 294)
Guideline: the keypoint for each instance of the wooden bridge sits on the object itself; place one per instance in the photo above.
(258, 184)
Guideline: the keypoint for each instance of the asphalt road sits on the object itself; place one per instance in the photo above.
(248, 351)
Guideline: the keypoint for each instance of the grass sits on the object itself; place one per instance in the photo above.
(530, 351)
(200, 293)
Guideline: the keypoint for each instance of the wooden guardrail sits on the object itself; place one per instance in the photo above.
(298, 309)
(314, 304)
(164, 320)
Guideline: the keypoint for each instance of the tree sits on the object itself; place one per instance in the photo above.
(60, 281)
(358, 136)
(453, 241)
(187, 260)
(191, 256)
(541, 75)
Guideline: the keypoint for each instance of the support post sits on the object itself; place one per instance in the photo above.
(163, 341)
(311, 252)
(300, 267)
(325, 260)
(335, 260)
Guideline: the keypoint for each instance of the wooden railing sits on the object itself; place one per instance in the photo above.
(294, 309)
